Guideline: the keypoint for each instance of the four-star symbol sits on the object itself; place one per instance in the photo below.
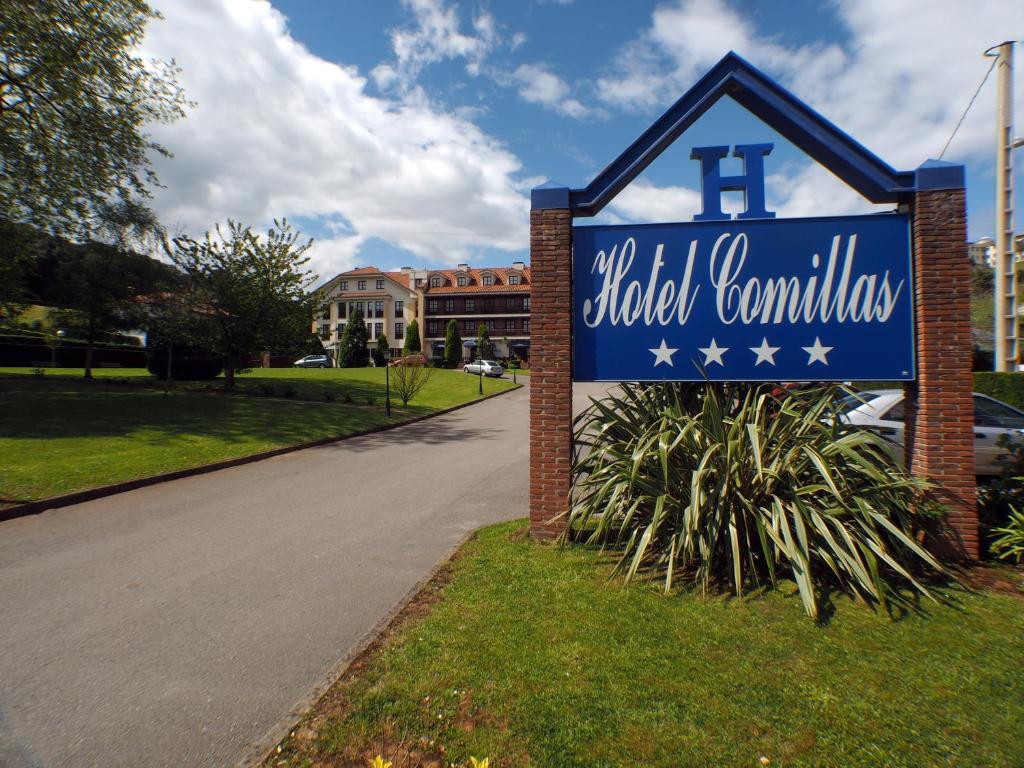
(663, 354)
(765, 353)
(816, 353)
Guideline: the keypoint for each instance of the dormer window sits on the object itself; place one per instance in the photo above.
(435, 282)
(488, 279)
(514, 279)
(461, 281)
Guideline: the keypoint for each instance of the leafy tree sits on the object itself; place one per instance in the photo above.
(74, 99)
(254, 291)
(102, 285)
(382, 353)
(21, 248)
(484, 346)
(412, 338)
(452, 345)
(352, 347)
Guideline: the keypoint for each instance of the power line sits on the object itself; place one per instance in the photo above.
(969, 105)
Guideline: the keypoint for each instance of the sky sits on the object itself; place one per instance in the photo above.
(410, 132)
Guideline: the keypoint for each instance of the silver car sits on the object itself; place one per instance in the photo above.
(882, 410)
(487, 367)
(313, 361)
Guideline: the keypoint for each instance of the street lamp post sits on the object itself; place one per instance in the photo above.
(387, 382)
(53, 349)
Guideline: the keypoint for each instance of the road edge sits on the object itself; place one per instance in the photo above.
(78, 497)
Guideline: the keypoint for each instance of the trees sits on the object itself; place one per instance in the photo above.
(101, 285)
(383, 350)
(412, 338)
(409, 380)
(252, 292)
(74, 100)
(352, 347)
(484, 346)
(452, 345)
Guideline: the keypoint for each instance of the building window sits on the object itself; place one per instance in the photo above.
(325, 332)
(432, 306)
(488, 279)
(432, 328)
(510, 326)
(341, 328)
(461, 281)
(380, 309)
(378, 330)
(470, 305)
(468, 327)
(419, 281)
(435, 282)
(399, 307)
(399, 330)
(359, 307)
(511, 304)
(526, 326)
(344, 285)
(526, 303)
(380, 285)
(449, 305)
(489, 324)
(369, 330)
(361, 285)
(341, 308)
(514, 279)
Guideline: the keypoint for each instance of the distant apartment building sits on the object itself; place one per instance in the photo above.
(498, 297)
(385, 300)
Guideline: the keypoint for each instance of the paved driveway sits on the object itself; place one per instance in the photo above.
(177, 624)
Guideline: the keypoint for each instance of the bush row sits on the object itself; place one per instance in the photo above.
(24, 351)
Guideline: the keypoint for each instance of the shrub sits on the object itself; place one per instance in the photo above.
(728, 483)
(1009, 543)
(1008, 387)
(188, 362)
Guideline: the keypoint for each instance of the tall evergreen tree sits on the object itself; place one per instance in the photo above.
(484, 346)
(352, 347)
(382, 352)
(452, 345)
(412, 338)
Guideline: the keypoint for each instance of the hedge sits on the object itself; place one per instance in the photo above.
(1008, 387)
(16, 350)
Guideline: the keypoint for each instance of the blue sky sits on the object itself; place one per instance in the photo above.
(410, 132)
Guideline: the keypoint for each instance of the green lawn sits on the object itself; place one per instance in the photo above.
(531, 657)
(60, 434)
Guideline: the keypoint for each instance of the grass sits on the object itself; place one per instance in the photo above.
(531, 657)
(60, 434)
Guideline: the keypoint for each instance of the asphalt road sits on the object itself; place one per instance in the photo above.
(178, 624)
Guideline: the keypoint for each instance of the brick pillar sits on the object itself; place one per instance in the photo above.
(940, 411)
(550, 366)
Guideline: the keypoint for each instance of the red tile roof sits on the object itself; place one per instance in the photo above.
(475, 284)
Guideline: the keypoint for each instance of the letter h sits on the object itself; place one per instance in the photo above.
(713, 183)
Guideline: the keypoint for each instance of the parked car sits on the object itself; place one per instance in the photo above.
(882, 410)
(313, 361)
(487, 367)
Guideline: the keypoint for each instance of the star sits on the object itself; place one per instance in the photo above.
(663, 354)
(765, 353)
(713, 353)
(817, 352)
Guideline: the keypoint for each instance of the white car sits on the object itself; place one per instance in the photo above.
(882, 410)
(313, 361)
(487, 367)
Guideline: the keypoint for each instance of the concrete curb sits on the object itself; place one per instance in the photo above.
(36, 507)
(262, 749)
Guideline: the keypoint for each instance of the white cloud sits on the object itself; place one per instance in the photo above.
(538, 85)
(899, 83)
(278, 132)
(435, 36)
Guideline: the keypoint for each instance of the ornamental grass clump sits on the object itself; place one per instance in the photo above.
(734, 485)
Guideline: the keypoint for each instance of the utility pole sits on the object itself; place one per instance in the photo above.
(1006, 269)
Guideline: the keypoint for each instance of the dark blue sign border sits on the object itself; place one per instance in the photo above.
(624, 346)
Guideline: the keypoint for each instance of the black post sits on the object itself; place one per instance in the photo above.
(387, 384)
(481, 375)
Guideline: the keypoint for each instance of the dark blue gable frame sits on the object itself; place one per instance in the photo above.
(804, 127)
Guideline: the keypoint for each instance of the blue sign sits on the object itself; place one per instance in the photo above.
(819, 299)
(750, 182)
